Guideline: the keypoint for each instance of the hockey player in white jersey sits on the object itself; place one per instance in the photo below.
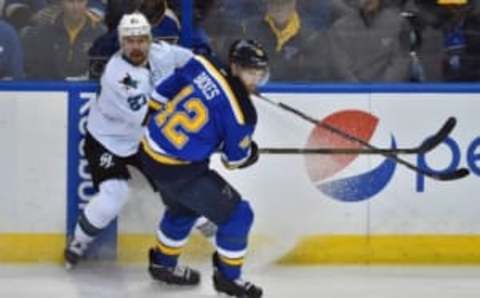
(115, 124)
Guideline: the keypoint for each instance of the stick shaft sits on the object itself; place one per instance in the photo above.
(460, 173)
(339, 151)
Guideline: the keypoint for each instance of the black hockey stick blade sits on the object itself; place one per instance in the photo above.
(439, 137)
(448, 176)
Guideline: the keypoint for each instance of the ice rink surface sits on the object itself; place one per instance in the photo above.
(116, 281)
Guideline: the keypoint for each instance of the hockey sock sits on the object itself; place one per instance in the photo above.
(231, 240)
(172, 236)
(230, 268)
(101, 210)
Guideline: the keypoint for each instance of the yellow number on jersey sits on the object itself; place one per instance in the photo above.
(189, 123)
(171, 120)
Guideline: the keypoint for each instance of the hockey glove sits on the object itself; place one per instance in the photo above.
(254, 155)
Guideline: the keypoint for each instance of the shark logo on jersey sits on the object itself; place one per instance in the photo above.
(106, 161)
(128, 82)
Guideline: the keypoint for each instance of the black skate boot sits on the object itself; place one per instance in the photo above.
(73, 253)
(183, 276)
(235, 288)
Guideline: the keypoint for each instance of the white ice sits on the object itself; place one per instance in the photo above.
(115, 281)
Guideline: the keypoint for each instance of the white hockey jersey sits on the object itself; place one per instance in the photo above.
(116, 116)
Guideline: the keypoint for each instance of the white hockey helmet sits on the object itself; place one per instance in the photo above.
(134, 24)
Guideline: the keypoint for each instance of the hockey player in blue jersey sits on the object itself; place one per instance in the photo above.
(201, 109)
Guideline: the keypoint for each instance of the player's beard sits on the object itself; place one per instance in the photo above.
(137, 57)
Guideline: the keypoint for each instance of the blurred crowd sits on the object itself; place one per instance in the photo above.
(307, 40)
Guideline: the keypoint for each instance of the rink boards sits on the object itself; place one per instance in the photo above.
(309, 209)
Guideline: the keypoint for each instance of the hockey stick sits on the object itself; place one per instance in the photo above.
(429, 144)
(339, 151)
(426, 146)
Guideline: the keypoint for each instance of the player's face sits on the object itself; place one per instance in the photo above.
(251, 77)
(136, 48)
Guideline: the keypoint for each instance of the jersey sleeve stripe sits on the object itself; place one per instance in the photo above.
(237, 111)
(154, 105)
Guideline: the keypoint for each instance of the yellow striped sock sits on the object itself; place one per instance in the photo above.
(168, 250)
(232, 261)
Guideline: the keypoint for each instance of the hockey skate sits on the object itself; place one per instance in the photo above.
(235, 288)
(180, 275)
(73, 253)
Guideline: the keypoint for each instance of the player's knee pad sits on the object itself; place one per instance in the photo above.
(233, 234)
(175, 227)
(107, 203)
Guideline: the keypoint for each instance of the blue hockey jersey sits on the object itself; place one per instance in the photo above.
(199, 110)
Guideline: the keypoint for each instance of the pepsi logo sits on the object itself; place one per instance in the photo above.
(322, 169)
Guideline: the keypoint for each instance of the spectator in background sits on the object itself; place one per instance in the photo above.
(322, 14)
(370, 44)
(245, 8)
(114, 11)
(461, 41)
(241, 10)
(19, 12)
(224, 24)
(11, 53)
(164, 21)
(97, 8)
(449, 30)
(58, 50)
(200, 41)
(22, 13)
(285, 37)
(165, 26)
(46, 15)
(425, 43)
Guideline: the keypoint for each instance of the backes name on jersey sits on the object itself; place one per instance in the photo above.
(206, 85)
